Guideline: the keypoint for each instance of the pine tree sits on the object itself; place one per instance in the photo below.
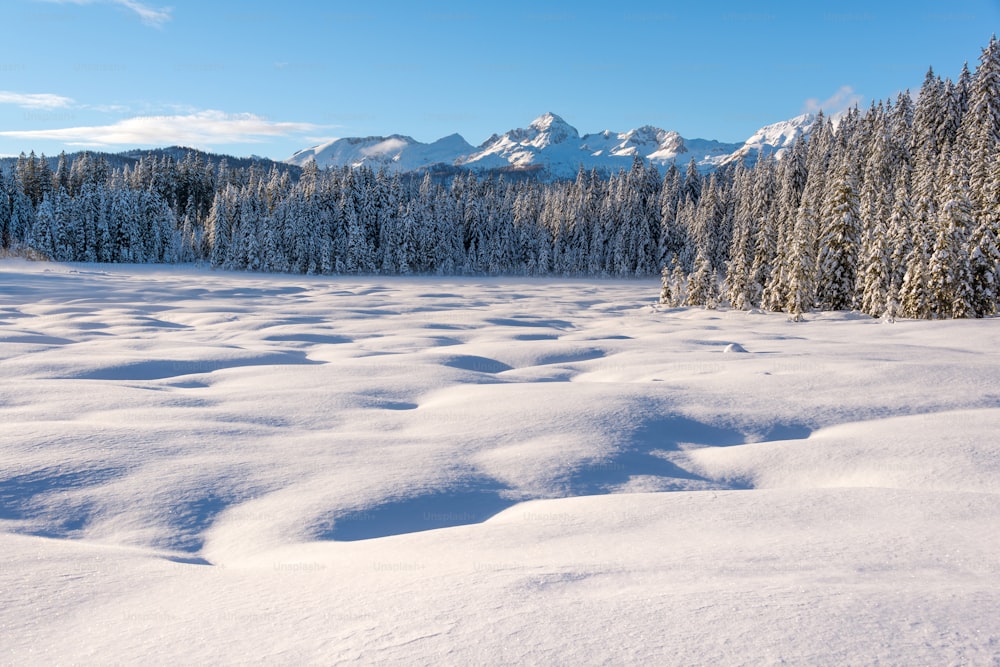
(949, 271)
(739, 279)
(764, 218)
(666, 293)
(61, 177)
(359, 252)
(598, 242)
(44, 232)
(839, 240)
(5, 211)
(801, 270)
(702, 287)
(950, 119)
(678, 284)
(928, 115)
(686, 216)
(876, 278)
(791, 180)
(187, 241)
(738, 284)
(914, 293)
(219, 229)
(22, 217)
(874, 288)
(250, 232)
(711, 221)
(984, 256)
(103, 232)
(691, 188)
(63, 231)
(984, 261)
(980, 130)
(671, 239)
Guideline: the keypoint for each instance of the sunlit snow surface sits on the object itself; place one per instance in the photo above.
(200, 467)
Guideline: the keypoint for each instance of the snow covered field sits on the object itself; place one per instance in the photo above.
(201, 467)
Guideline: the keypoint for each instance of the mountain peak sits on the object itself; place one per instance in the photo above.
(548, 129)
(454, 141)
(545, 122)
(774, 139)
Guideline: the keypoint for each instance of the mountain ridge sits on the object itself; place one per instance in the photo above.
(552, 145)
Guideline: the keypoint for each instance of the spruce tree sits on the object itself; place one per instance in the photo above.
(666, 293)
(949, 270)
(764, 218)
(702, 286)
(5, 211)
(984, 260)
(218, 229)
(671, 239)
(43, 233)
(791, 179)
(738, 282)
(692, 186)
(984, 255)
(839, 240)
(878, 279)
(801, 259)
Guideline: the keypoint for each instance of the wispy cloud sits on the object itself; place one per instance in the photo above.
(845, 98)
(153, 16)
(119, 109)
(384, 148)
(204, 128)
(35, 100)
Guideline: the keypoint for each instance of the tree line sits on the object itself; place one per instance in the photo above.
(894, 211)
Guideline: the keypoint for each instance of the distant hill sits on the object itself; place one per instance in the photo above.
(178, 153)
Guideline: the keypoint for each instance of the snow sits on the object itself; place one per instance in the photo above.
(551, 129)
(395, 153)
(203, 467)
(773, 139)
(550, 143)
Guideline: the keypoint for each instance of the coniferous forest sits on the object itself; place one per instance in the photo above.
(892, 211)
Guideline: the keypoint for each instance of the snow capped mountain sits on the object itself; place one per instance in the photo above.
(773, 139)
(397, 153)
(550, 129)
(552, 145)
(546, 142)
(658, 146)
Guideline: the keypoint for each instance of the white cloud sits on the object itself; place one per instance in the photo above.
(204, 128)
(108, 108)
(35, 100)
(149, 15)
(844, 99)
(384, 148)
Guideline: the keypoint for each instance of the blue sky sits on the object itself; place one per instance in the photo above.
(269, 78)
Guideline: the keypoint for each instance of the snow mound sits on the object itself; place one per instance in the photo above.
(212, 467)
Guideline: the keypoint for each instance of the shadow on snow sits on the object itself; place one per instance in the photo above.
(478, 500)
(41, 498)
(474, 503)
